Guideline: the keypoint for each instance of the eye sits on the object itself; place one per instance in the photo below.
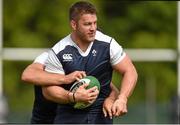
(86, 24)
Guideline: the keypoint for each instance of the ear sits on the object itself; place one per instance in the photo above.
(73, 24)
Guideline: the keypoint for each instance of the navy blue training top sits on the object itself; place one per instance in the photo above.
(66, 57)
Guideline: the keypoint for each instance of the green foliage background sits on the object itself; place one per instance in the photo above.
(139, 24)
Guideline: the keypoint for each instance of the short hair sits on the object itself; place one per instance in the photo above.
(80, 8)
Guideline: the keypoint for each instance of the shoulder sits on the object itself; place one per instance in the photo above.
(102, 37)
(41, 58)
(59, 46)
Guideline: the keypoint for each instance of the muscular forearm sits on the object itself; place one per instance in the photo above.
(35, 74)
(127, 69)
(128, 83)
(57, 94)
(62, 96)
(114, 92)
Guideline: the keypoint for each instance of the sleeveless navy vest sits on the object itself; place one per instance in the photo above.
(96, 63)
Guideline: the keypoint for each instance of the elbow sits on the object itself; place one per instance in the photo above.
(135, 76)
(28, 76)
(25, 77)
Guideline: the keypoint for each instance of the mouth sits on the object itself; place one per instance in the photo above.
(91, 34)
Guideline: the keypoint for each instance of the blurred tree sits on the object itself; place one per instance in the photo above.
(141, 24)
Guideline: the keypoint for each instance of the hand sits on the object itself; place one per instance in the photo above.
(86, 95)
(107, 107)
(119, 107)
(74, 76)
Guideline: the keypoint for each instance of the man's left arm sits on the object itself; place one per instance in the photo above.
(128, 71)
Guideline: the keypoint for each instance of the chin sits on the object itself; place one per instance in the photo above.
(91, 39)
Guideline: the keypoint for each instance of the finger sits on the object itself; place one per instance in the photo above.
(114, 109)
(92, 98)
(91, 101)
(118, 112)
(84, 85)
(93, 89)
(123, 112)
(110, 114)
(77, 79)
(80, 75)
(93, 93)
(83, 74)
(104, 112)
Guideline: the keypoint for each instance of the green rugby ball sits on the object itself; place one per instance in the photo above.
(92, 81)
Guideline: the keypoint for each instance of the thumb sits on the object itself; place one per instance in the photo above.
(77, 79)
(104, 111)
(113, 109)
(110, 114)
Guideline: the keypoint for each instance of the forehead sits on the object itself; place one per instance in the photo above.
(88, 18)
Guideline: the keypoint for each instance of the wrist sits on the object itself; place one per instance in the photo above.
(66, 79)
(60, 79)
(74, 99)
(71, 97)
(112, 98)
(122, 98)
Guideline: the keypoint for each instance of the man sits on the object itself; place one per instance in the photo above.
(89, 50)
(44, 111)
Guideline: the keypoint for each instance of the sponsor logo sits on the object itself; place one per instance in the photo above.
(67, 57)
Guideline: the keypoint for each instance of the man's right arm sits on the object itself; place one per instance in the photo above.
(35, 74)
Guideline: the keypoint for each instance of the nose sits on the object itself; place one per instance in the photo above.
(93, 27)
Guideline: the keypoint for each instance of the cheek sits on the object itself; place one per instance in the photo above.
(84, 28)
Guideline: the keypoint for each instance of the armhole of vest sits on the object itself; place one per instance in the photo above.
(56, 55)
(53, 51)
(110, 47)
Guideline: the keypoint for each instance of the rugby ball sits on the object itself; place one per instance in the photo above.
(92, 81)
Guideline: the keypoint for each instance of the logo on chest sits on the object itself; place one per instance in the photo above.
(67, 57)
(94, 52)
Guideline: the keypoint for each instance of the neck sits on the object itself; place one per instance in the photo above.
(83, 45)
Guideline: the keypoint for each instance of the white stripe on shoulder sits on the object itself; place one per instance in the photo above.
(102, 37)
(62, 44)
